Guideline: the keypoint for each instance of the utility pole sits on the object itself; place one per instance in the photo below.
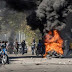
(19, 37)
(5, 36)
(24, 36)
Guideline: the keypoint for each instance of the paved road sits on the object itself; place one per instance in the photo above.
(28, 63)
(35, 68)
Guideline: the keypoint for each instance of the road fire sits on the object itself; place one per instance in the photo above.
(53, 42)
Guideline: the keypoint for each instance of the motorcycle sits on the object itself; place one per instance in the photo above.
(39, 51)
(0, 55)
(4, 57)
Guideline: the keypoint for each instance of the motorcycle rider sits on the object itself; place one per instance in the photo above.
(4, 49)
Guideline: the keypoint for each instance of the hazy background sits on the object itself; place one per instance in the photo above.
(30, 18)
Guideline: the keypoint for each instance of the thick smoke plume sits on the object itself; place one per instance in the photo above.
(21, 5)
(55, 12)
(52, 14)
(34, 22)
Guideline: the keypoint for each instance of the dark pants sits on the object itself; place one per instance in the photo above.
(23, 51)
(32, 51)
(17, 50)
(7, 59)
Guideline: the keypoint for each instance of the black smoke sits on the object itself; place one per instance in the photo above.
(56, 14)
(66, 32)
(21, 5)
(55, 11)
(52, 14)
(34, 22)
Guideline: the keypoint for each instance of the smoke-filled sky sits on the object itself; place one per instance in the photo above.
(21, 5)
(10, 17)
(46, 15)
(53, 14)
(13, 13)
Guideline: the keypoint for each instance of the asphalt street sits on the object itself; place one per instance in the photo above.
(30, 63)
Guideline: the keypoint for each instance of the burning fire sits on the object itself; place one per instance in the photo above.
(53, 42)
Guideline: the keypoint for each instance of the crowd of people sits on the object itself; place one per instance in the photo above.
(22, 48)
(21, 45)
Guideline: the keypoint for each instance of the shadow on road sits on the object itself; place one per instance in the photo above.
(25, 57)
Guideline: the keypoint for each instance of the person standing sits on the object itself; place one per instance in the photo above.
(16, 45)
(34, 42)
(33, 46)
(23, 46)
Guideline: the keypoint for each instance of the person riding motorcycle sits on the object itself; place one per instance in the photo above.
(4, 52)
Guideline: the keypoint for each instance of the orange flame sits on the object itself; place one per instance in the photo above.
(53, 42)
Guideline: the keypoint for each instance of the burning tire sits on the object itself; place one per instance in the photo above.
(54, 54)
(53, 44)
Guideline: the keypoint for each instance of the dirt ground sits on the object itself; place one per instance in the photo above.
(29, 63)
